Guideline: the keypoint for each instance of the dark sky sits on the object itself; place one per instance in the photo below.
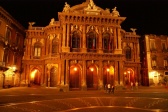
(148, 16)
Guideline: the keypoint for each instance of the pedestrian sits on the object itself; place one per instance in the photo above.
(112, 89)
(136, 85)
(131, 85)
(109, 88)
(106, 89)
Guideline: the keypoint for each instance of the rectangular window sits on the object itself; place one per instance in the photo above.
(37, 51)
(165, 63)
(166, 73)
(152, 44)
(153, 63)
(164, 46)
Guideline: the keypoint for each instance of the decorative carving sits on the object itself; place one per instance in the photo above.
(133, 30)
(52, 21)
(107, 10)
(115, 13)
(66, 7)
(31, 25)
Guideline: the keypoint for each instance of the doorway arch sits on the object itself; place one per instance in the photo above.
(75, 77)
(92, 77)
(108, 75)
(35, 77)
(129, 76)
(53, 77)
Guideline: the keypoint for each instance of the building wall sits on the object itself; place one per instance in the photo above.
(85, 49)
(11, 48)
(156, 58)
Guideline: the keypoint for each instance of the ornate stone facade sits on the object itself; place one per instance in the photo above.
(85, 49)
(11, 49)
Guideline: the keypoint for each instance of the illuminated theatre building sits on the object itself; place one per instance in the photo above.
(85, 49)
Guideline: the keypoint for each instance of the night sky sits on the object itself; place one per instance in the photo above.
(148, 16)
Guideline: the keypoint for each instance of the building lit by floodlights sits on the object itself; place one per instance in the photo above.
(12, 36)
(154, 59)
(85, 49)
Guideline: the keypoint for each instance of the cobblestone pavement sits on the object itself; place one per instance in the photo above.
(144, 99)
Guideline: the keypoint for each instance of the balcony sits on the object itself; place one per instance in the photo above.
(75, 50)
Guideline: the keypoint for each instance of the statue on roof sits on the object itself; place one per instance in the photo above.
(31, 25)
(115, 13)
(66, 7)
(91, 6)
(52, 21)
(133, 30)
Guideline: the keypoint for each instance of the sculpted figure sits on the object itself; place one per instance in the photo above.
(31, 24)
(115, 12)
(52, 21)
(66, 7)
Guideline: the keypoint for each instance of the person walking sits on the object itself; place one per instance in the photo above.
(109, 88)
(131, 85)
(112, 89)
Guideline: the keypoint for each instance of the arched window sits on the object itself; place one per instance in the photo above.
(128, 53)
(55, 45)
(75, 40)
(37, 50)
(107, 43)
(91, 40)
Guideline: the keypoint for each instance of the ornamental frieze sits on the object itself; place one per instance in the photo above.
(91, 56)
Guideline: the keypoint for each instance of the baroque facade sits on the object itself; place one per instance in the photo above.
(155, 59)
(85, 49)
(11, 50)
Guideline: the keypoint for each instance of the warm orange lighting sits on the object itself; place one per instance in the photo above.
(75, 69)
(108, 69)
(33, 74)
(91, 69)
(129, 72)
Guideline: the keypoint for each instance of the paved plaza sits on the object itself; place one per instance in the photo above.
(37, 99)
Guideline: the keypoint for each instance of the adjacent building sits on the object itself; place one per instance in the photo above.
(154, 59)
(11, 50)
(86, 48)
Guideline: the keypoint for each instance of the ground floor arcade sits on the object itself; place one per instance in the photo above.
(72, 74)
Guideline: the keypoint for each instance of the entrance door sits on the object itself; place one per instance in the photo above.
(74, 79)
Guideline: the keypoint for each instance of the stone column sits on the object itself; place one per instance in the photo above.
(100, 40)
(84, 49)
(67, 73)
(119, 39)
(115, 39)
(62, 72)
(68, 29)
(115, 77)
(118, 49)
(1, 79)
(83, 85)
(100, 76)
(121, 73)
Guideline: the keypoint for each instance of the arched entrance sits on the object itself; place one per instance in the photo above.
(108, 75)
(91, 77)
(129, 76)
(35, 77)
(53, 78)
(75, 77)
